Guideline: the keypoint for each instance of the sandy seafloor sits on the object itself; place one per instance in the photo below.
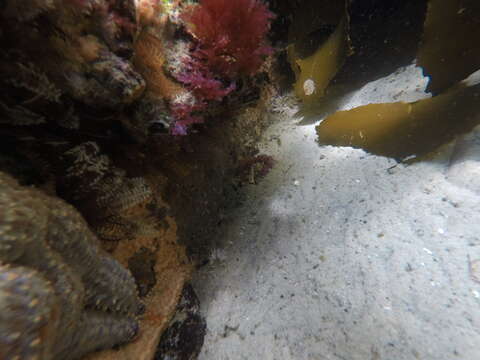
(338, 254)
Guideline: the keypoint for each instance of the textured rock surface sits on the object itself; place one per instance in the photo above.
(68, 80)
(130, 217)
(84, 102)
(80, 299)
(61, 56)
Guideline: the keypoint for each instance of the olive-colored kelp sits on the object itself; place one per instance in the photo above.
(450, 51)
(400, 130)
(351, 44)
(315, 72)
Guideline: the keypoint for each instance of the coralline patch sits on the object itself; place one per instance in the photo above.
(68, 297)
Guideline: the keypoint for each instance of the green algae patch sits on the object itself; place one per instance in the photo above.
(402, 130)
(450, 51)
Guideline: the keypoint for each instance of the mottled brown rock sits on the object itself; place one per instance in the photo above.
(172, 269)
(59, 57)
(53, 260)
(129, 211)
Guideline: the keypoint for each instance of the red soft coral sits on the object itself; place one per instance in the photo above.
(230, 34)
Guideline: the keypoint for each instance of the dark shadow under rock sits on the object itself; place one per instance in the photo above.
(384, 36)
(184, 338)
(142, 267)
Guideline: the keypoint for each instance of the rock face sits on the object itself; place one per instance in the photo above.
(61, 56)
(86, 98)
(67, 82)
(61, 296)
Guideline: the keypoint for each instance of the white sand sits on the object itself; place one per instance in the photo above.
(338, 254)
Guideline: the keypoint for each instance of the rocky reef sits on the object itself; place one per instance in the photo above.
(118, 140)
(61, 295)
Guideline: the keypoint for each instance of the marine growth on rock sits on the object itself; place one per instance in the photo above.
(61, 296)
(229, 41)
